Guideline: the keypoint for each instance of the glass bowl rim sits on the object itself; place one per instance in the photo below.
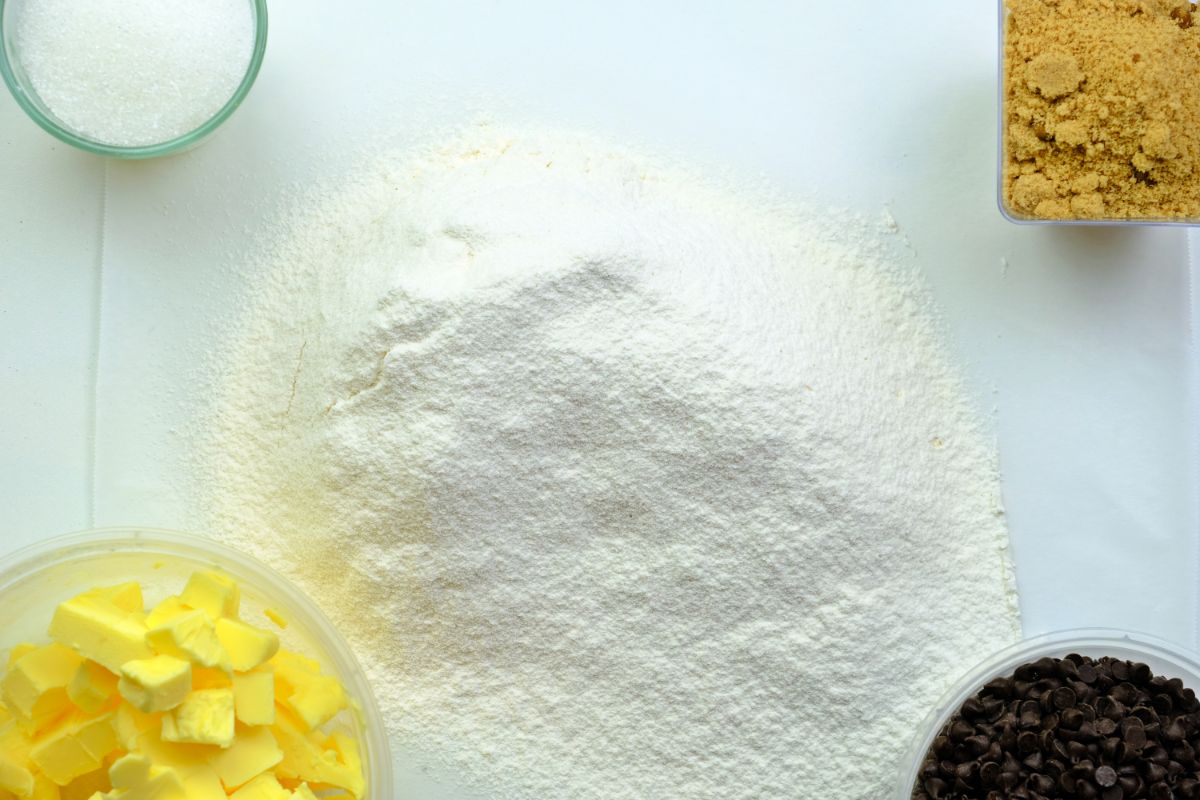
(1030, 649)
(19, 92)
(28, 561)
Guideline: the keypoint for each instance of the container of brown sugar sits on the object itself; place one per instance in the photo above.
(1099, 112)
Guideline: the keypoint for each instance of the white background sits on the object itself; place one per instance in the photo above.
(1076, 342)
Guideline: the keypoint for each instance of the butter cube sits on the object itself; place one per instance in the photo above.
(91, 687)
(127, 596)
(36, 685)
(254, 698)
(252, 753)
(129, 770)
(155, 684)
(306, 758)
(46, 789)
(96, 734)
(19, 652)
(277, 617)
(213, 593)
(14, 777)
(98, 629)
(264, 787)
(130, 724)
(317, 700)
(248, 647)
(189, 636)
(134, 777)
(201, 783)
(204, 717)
(166, 611)
(62, 758)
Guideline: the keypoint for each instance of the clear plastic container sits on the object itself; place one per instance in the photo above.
(1001, 160)
(22, 89)
(1162, 657)
(35, 580)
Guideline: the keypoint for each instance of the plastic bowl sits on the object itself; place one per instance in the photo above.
(22, 89)
(35, 580)
(1162, 657)
(1002, 160)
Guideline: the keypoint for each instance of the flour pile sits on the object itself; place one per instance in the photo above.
(625, 484)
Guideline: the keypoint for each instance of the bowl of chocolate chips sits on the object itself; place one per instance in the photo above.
(1091, 714)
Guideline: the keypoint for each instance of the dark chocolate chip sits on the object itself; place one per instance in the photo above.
(1105, 776)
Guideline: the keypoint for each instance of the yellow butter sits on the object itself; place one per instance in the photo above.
(19, 652)
(84, 786)
(126, 596)
(204, 717)
(62, 758)
(92, 687)
(215, 594)
(184, 703)
(205, 678)
(130, 723)
(15, 777)
(306, 757)
(36, 684)
(264, 787)
(189, 636)
(98, 629)
(254, 697)
(247, 646)
(134, 777)
(166, 611)
(252, 753)
(317, 700)
(155, 684)
(46, 789)
(277, 617)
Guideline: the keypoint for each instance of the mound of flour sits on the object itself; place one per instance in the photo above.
(624, 484)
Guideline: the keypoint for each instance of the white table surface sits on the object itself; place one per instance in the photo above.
(1076, 342)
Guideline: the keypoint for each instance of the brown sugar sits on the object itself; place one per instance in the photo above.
(1102, 109)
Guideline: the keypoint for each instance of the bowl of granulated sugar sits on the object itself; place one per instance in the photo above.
(131, 78)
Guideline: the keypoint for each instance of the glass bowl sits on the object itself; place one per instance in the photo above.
(1001, 157)
(22, 89)
(1163, 657)
(33, 581)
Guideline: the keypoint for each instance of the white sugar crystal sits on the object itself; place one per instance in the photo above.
(134, 72)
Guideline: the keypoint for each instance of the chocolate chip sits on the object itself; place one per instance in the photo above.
(1106, 776)
(1064, 697)
(1077, 727)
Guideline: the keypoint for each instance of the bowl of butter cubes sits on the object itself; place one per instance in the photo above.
(139, 664)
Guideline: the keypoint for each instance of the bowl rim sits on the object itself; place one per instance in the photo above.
(20, 92)
(1031, 648)
(28, 561)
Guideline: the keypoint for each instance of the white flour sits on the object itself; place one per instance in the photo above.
(625, 484)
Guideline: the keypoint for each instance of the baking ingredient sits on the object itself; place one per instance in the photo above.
(1101, 109)
(134, 72)
(155, 684)
(624, 483)
(1075, 726)
(165, 726)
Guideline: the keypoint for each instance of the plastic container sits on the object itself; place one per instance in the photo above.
(1162, 657)
(22, 89)
(35, 580)
(1001, 138)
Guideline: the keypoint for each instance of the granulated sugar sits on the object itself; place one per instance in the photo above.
(134, 72)
(624, 483)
